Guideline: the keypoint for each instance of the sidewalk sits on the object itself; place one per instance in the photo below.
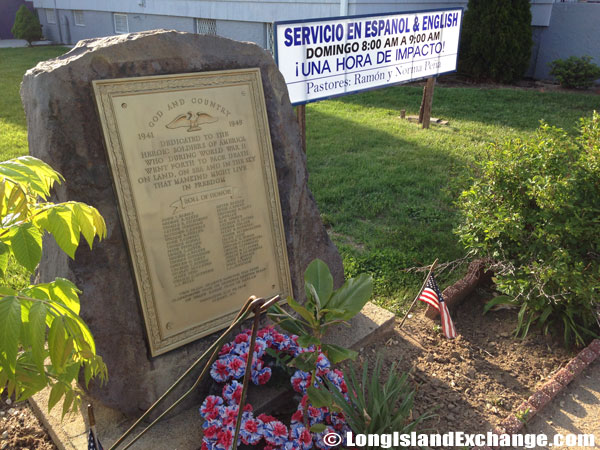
(12, 43)
(575, 410)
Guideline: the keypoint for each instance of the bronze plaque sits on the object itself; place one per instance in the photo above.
(193, 169)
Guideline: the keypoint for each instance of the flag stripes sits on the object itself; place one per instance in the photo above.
(428, 296)
(432, 296)
(447, 325)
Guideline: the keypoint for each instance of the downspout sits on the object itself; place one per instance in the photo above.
(60, 38)
(343, 7)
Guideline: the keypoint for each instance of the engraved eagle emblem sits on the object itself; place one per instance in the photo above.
(190, 121)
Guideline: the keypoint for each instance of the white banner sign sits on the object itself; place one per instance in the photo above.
(329, 57)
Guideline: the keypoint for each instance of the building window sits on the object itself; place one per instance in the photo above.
(121, 23)
(270, 39)
(206, 26)
(50, 16)
(78, 18)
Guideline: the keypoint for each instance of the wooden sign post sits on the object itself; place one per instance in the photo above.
(301, 115)
(427, 102)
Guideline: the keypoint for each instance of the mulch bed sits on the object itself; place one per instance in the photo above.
(475, 381)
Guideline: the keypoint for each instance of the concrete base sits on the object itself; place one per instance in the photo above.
(183, 431)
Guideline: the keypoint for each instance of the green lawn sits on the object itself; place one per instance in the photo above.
(14, 62)
(384, 186)
(387, 187)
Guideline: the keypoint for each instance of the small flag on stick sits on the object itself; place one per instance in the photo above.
(93, 442)
(431, 295)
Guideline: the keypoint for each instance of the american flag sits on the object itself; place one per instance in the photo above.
(432, 296)
(92, 442)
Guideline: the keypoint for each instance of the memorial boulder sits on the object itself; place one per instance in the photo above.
(103, 144)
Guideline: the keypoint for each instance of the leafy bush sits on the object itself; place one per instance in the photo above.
(27, 25)
(575, 72)
(535, 210)
(46, 313)
(496, 40)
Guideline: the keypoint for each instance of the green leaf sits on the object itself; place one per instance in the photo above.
(67, 402)
(10, 330)
(65, 292)
(3, 379)
(352, 296)
(99, 223)
(85, 218)
(63, 226)
(37, 333)
(313, 297)
(5, 290)
(304, 361)
(29, 381)
(14, 203)
(337, 354)
(521, 316)
(60, 345)
(500, 300)
(318, 274)
(526, 328)
(87, 374)
(4, 254)
(318, 428)
(3, 192)
(82, 336)
(319, 397)
(44, 171)
(304, 313)
(56, 393)
(24, 176)
(285, 321)
(545, 313)
(26, 245)
(306, 340)
(25, 307)
(10, 387)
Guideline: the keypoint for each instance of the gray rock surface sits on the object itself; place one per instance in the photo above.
(64, 130)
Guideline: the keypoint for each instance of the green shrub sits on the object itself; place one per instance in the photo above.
(496, 40)
(43, 340)
(27, 25)
(535, 210)
(575, 72)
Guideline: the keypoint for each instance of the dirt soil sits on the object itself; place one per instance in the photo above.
(475, 381)
(20, 429)
(472, 382)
